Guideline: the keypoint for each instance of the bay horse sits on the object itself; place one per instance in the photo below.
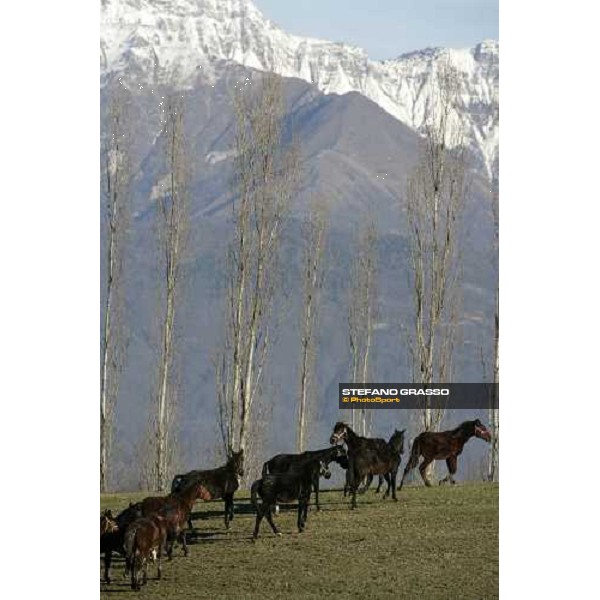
(294, 484)
(442, 445)
(222, 482)
(144, 539)
(284, 462)
(175, 509)
(366, 456)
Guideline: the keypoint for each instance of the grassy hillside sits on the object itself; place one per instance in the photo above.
(433, 543)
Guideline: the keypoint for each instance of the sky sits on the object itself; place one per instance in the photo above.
(388, 28)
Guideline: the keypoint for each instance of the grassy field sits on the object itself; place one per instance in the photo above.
(433, 543)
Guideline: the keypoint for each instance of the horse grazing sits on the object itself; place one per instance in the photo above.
(366, 456)
(282, 463)
(222, 482)
(112, 531)
(294, 484)
(145, 538)
(443, 445)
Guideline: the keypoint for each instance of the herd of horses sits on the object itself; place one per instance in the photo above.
(149, 529)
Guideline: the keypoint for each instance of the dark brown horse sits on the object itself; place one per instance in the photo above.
(443, 445)
(284, 462)
(222, 482)
(112, 532)
(367, 456)
(295, 484)
(144, 539)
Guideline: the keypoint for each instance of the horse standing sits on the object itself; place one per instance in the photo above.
(175, 509)
(443, 445)
(112, 531)
(396, 446)
(284, 462)
(366, 456)
(294, 484)
(145, 538)
(222, 482)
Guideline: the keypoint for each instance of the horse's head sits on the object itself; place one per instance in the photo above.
(481, 431)
(340, 452)
(107, 523)
(340, 433)
(397, 441)
(324, 470)
(237, 462)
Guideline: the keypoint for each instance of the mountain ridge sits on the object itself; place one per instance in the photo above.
(176, 41)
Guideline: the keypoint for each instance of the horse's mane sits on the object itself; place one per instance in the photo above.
(460, 428)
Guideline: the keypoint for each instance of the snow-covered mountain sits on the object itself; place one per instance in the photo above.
(176, 41)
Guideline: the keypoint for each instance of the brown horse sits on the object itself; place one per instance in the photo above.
(443, 445)
(369, 456)
(144, 539)
(175, 509)
(222, 482)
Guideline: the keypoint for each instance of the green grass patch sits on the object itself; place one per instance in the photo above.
(433, 543)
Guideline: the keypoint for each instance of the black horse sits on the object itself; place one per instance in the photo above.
(294, 484)
(396, 446)
(222, 482)
(112, 532)
(366, 456)
(282, 463)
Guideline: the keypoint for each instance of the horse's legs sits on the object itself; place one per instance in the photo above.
(392, 483)
(134, 569)
(368, 482)
(261, 509)
(354, 483)
(302, 512)
(388, 481)
(316, 486)
(184, 543)
(145, 571)
(269, 516)
(159, 556)
(451, 464)
(228, 508)
(347, 482)
(107, 559)
(423, 470)
(379, 484)
(170, 544)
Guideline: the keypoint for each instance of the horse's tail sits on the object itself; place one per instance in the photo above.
(415, 452)
(254, 493)
(129, 546)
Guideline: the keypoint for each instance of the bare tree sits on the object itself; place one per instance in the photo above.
(265, 181)
(172, 224)
(116, 179)
(362, 308)
(493, 413)
(313, 238)
(434, 202)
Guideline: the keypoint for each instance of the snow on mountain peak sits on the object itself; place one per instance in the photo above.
(176, 40)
